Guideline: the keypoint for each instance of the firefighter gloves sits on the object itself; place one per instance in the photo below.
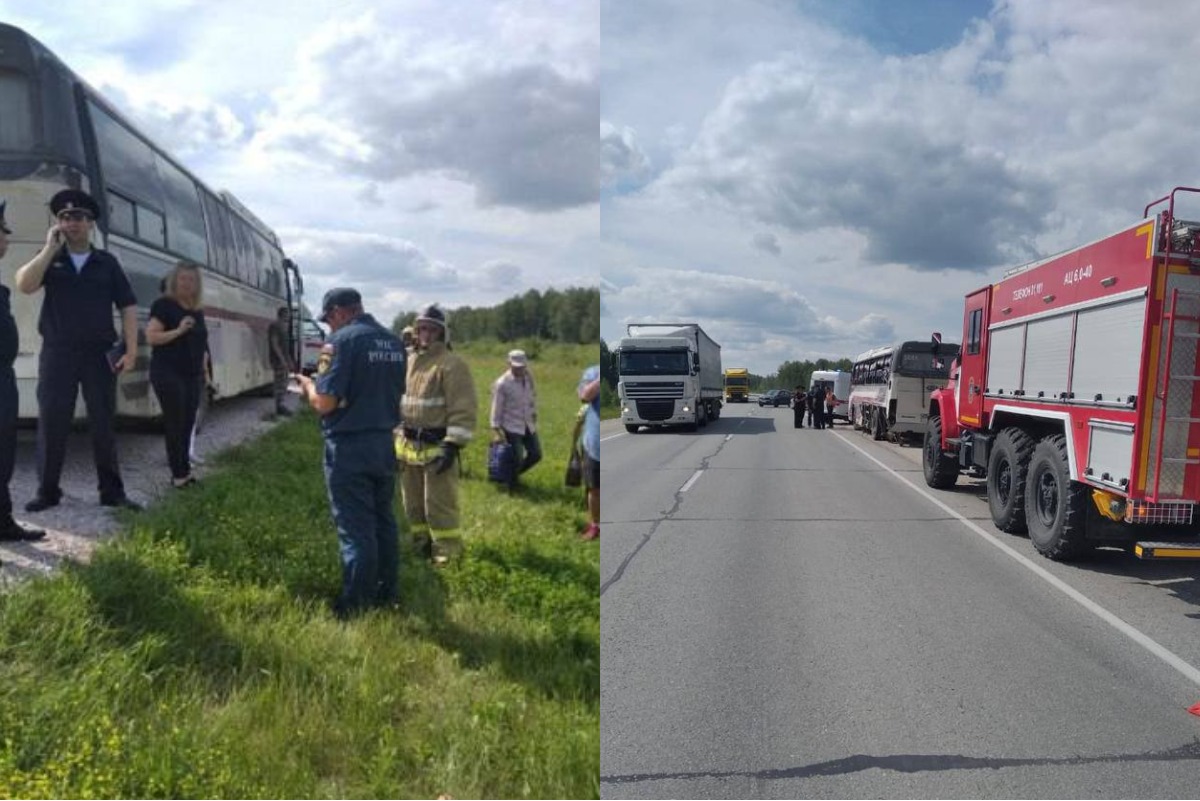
(444, 460)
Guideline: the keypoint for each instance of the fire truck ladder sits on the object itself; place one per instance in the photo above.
(1175, 400)
(1176, 393)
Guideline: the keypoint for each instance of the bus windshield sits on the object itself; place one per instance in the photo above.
(654, 362)
(918, 360)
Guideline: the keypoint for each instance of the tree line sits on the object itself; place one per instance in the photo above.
(570, 315)
(789, 374)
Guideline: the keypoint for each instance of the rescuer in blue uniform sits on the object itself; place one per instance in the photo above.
(82, 285)
(9, 528)
(360, 378)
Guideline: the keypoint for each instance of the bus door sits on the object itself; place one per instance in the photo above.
(973, 358)
(295, 293)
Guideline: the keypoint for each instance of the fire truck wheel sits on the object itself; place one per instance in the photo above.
(941, 468)
(1055, 506)
(1007, 468)
(631, 429)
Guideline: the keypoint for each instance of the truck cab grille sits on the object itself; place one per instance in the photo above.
(655, 409)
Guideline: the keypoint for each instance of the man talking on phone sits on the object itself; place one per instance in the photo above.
(82, 285)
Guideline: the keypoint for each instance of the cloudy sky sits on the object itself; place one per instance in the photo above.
(818, 177)
(420, 150)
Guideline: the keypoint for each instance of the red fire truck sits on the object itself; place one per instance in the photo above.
(1077, 394)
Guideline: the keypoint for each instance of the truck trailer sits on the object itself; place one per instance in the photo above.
(1076, 394)
(669, 375)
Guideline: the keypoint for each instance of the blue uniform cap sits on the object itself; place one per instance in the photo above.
(70, 199)
(338, 296)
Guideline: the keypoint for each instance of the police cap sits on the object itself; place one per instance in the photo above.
(71, 199)
(3, 223)
(336, 297)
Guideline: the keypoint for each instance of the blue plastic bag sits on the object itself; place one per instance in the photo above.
(502, 463)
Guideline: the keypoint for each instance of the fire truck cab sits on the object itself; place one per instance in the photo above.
(1076, 394)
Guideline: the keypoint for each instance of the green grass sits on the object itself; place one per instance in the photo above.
(194, 656)
(610, 404)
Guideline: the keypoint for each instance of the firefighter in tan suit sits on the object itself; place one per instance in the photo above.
(438, 411)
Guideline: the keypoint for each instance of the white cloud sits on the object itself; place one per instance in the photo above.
(622, 162)
(466, 130)
(502, 274)
(876, 189)
(387, 103)
(767, 242)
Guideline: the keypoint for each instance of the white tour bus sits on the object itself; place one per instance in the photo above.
(890, 386)
(57, 132)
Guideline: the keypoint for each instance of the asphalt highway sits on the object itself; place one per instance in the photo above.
(794, 614)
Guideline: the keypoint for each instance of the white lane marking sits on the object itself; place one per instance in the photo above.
(614, 436)
(1161, 582)
(695, 477)
(1189, 671)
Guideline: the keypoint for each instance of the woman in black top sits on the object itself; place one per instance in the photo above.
(178, 340)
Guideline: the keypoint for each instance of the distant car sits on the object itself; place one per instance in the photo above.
(775, 397)
(312, 339)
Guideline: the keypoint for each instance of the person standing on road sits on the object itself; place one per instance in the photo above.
(815, 399)
(178, 340)
(10, 529)
(277, 354)
(514, 414)
(799, 404)
(831, 402)
(360, 378)
(82, 285)
(589, 393)
(439, 411)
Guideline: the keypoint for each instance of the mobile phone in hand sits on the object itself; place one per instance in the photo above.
(114, 356)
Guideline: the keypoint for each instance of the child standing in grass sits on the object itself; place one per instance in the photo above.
(589, 393)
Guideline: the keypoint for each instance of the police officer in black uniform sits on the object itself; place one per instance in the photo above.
(816, 405)
(82, 285)
(9, 528)
(360, 378)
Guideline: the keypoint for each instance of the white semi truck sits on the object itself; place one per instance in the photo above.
(669, 375)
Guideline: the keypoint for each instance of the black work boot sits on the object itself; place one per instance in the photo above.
(423, 547)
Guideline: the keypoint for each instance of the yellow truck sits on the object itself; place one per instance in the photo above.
(737, 385)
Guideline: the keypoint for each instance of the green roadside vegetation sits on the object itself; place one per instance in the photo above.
(194, 656)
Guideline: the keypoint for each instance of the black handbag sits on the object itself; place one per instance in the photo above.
(574, 477)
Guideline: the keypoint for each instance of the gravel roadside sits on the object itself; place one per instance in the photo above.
(79, 522)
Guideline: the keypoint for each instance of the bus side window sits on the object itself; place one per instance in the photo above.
(120, 214)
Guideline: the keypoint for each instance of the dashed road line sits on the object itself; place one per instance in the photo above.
(688, 484)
